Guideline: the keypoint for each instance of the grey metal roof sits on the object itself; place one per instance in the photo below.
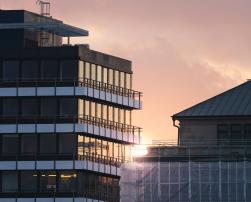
(234, 102)
(56, 27)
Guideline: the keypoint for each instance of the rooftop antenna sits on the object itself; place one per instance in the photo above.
(45, 12)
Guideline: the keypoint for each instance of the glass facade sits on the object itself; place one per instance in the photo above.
(49, 183)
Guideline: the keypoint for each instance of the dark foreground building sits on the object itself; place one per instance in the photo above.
(65, 113)
(210, 162)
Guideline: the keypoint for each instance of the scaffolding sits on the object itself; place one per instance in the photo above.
(216, 172)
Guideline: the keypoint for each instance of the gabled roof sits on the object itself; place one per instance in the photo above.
(234, 102)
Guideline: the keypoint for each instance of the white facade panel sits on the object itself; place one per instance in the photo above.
(45, 165)
(102, 95)
(80, 164)
(26, 165)
(114, 98)
(8, 165)
(120, 99)
(64, 200)
(96, 130)
(26, 200)
(81, 91)
(8, 128)
(7, 200)
(95, 166)
(65, 91)
(46, 91)
(96, 93)
(26, 128)
(90, 92)
(44, 200)
(62, 128)
(27, 91)
(80, 127)
(8, 92)
(61, 165)
(45, 128)
(108, 96)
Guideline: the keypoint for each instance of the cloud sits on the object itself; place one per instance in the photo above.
(182, 51)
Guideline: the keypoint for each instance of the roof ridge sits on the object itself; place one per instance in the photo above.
(209, 99)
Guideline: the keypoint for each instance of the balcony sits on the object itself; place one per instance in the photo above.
(68, 87)
(89, 125)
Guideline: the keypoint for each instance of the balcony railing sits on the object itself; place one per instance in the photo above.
(80, 82)
(82, 119)
(101, 159)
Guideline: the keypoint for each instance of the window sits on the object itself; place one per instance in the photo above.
(81, 70)
(93, 109)
(10, 70)
(87, 108)
(48, 181)
(93, 73)
(50, 70)
(116, 78)
(80, 107)
(28, 181)
(29, 107)
(66, 144)
(10, 107)
(105, 76)
(30, 70)
(10, 144)
(128, 81)
(48, 144)
(48, 107)
(247, 131)
(68, 106)
(236, 133)
(68, 69)
(110, 76)
(9, 181)
(122, 79)
(99, 73)
(28, 144)
(67, 181)
(87, 70)
(223, 132)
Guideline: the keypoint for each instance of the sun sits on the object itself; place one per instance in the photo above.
(139, 150)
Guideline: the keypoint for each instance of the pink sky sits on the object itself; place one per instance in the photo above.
(182, 51)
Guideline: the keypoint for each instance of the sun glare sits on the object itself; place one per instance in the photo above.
(139, 150)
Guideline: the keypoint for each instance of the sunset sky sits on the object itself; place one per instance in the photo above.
(182, 51)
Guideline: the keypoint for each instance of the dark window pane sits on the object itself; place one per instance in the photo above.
(247, 131)
(68, 106)
(29, 144)
(69, 69)
(48, 107)
(9, 181)
(10, 70)
(48, 181)
(223, 132)
(29, 107)
(28, 181)
(236, 133)
(30, 70)
(48, 144)
(10, 107)
(50, 70)
(67, 181)
(66, 143)
(9, 144)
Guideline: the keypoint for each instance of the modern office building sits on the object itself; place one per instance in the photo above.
(65, 113)
(211, 161)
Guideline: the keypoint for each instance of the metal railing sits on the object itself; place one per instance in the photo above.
(206, 148)
(79, 82)
(117, 162)
(82, 119)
